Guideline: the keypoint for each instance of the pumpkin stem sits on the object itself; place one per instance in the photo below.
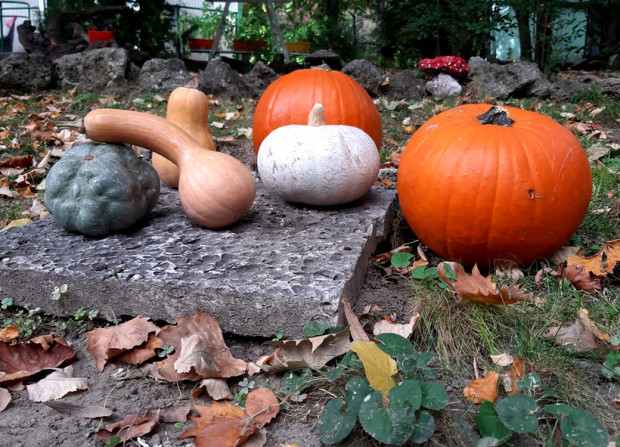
(496, 115)
(315, 118)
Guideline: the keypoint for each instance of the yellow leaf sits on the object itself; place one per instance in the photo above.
(379, 366)
(16, 223)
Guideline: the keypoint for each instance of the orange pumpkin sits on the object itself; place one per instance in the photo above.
(488, 193)
(290, 98)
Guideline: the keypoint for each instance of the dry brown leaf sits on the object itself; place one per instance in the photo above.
(19, 361)
(576, 337)
(504, 359)
(130, 427)
(387, 256)
(601, 263)
(312, 352)
(356, 329)
(581, 279)
(476, 287)
(142, 353)
(56, 385)
(220, 425)
(262, 406)
(195, 354)
(590, 326)
(208, 336)
(258, 439)
(216, 388)
(516, 373)
(107, 343)
(478, 391)
(174, 414)
(9, 333)
(5, 398)
(89, 412)
(404, 330)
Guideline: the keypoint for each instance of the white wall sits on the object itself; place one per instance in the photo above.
(17, 8)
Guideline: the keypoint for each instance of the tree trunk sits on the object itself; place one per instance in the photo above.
(523, 24)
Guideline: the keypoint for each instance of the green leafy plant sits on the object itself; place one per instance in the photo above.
(400, 417)
(246, 385)
(519, 413)
(6, 303)
(314, 329)
(58, 292)
(166, 349)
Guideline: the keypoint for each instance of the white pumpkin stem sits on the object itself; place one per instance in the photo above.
(315, 118)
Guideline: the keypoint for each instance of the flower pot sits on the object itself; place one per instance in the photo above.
(249, 45)
(200, 44)
(297, 47)
(104, 36)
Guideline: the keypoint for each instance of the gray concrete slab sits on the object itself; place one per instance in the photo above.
(280, 266)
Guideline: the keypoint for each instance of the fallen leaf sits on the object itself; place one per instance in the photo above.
(563, 254)
(16, 223)
(590, 326)
(56, 385)
(378, 365)
(217, 389)
(129, 428)
(5, 398)
(404, 330)
(142, 353)
(478, 391)
(516, 373)
(258, 439)
(217, 124)
(395, 157)
(502, 359)
(9, 333)
(89, 412)
(220, 425)
(195, 354)
(208, 336)
(601, 263)
(107, 343)
(356, 329)
(577, 337)
(20, 361)
(262, 406)
(596, 152)
(174, 414)
(581, 279)
(476, 287)
(513, 273)
(313, 352)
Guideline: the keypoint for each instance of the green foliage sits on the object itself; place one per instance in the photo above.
(6, 303)
(518, 413)
(399, 419)
(58, 292)
(314, 329)
(246, 385)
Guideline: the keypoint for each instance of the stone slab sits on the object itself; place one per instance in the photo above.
(280, 266)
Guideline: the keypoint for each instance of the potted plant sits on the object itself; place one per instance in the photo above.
(252, 32)
(200, 29)
(297, 37)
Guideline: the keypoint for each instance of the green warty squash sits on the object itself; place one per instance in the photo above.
(96, 189)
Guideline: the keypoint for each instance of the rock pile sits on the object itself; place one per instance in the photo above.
(111, 71)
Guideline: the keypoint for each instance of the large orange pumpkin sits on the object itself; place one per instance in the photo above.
(488, 193)
(290, 98)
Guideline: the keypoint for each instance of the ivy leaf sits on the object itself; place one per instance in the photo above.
(488, 441)
(334, 425)
(424, 428)
(314, 329)
(490, 425)
(334, 373)
(530, 381)
(434, 396)
(401, 259)
(396, 423)
(583, 429)
(407, 359)
(558, 409)
(517, 413)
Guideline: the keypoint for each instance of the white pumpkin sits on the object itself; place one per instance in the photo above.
(318, 164)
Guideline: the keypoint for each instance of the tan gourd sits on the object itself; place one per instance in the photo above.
(215, 189)
(188, 108)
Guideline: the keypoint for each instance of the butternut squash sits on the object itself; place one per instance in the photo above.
(215, 189)
(188, 108)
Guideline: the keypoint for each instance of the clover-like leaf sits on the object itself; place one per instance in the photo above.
(517, 413)
(407, 359)
(530, 381)
(583, 429)
(396, 423)
(490, 425)
(401, 259)
(434, 396)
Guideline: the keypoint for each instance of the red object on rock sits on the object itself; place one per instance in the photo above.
(453, 65)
